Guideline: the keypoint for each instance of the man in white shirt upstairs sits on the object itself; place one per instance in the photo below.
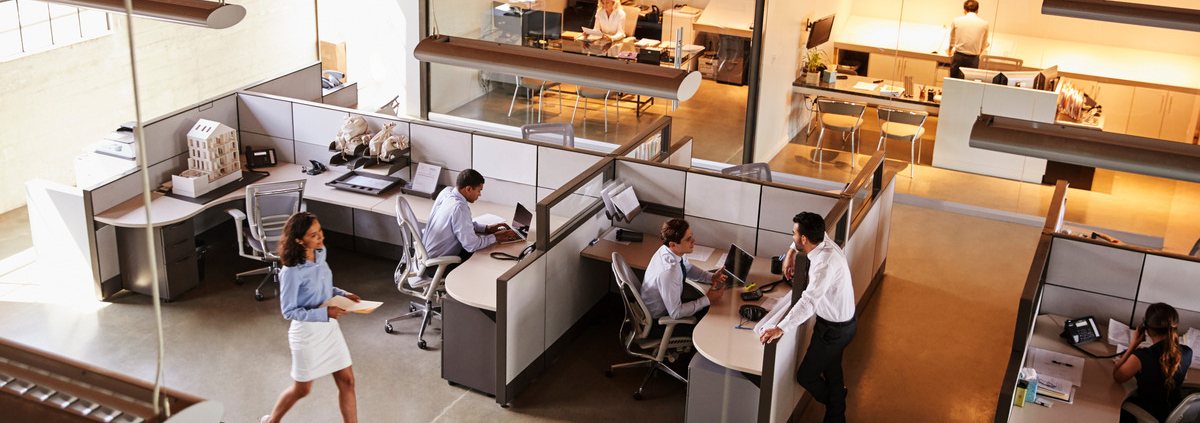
(830, 296)
(451, 231)
(968, 38)
(610, 20)
(663, 289)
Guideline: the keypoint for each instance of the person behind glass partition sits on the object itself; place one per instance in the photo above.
(610, 20)
(968, 39)
(1160, 368)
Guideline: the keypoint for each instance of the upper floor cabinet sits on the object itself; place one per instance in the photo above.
(1162, 114)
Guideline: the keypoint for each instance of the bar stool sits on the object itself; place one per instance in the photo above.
(530, 85)
(593, 93)
(902, 125)
(842, 116)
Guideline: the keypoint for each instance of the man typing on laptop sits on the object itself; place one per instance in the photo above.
(451, 232)
(663, 289)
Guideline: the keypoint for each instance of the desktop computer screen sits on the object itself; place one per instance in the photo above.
(973, 74)
(1024, 79)
(819, 31)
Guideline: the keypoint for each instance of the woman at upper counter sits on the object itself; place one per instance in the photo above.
(610, 20)
(1160, 368)
(318, 347)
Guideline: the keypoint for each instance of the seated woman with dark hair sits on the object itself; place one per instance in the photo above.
(1160, 369)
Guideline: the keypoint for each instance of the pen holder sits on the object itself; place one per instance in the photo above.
(777, 265)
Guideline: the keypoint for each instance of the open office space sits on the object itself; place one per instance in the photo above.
(961, 223)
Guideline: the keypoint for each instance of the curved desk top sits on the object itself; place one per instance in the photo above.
(474, 282)
(714, 336)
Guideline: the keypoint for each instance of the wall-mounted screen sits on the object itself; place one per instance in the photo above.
(819, 31)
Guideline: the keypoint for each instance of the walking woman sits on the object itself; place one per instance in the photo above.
(1160, 369)
(315, 338)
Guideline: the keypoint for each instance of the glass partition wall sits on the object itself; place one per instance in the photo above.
(647, 35)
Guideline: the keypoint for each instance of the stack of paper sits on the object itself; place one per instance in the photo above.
(347, 304)
(1058, 373)
(1052, 387)
(699, 253)
(1192, 339)
(646, 42)
(1121, 335)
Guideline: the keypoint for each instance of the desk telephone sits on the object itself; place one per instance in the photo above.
(260, 158)
(1081, 330)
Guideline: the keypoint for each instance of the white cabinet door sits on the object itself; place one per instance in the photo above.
(1179, 119)
(1146, 111)
(883, 66)
(1115, 100)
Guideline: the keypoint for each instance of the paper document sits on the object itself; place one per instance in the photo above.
(1121, 335)
(612, 236)
(426, 178)
(1192, 339)
(1053, 384)
(1056, 365)
(866, 86)
(627, 202)
(347, 304)
(721, 260)
(699, 254)
(776, 309)
(490, 219)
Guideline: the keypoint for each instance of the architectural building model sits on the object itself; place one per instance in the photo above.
(212, 159)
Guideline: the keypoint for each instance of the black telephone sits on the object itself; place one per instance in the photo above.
(316, 169)
(260, 158)
(1081, 330)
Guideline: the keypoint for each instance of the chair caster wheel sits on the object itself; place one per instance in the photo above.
(608, 373)
(259, 297)
(412, 308)
(239, 281)
(422, 345)
(387, 327)
(637, 396)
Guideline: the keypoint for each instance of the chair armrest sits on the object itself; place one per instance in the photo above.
(667, 320)
(1142, 415)
(443, 260)
(238, 218)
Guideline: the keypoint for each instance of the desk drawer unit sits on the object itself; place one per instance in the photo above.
(175, 257)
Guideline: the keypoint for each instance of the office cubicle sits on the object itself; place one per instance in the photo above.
(542, 300)
(1073, 276)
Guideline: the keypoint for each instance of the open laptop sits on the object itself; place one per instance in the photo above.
(520, 223)
(737, 265)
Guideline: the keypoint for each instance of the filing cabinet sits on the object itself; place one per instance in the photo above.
(175, 257)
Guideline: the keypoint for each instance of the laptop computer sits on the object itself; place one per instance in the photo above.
(520, 224)
(737, 265)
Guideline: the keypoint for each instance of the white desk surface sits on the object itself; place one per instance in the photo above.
(1072, 57)
(714, 336)
(727, 17)
(1098, 398)
(474, 282)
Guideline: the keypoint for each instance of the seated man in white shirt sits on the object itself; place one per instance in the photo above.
(451, 232)
(663, 287)
(829, 295)
(610, 20)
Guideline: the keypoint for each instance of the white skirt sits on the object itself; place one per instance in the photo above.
(318, 349)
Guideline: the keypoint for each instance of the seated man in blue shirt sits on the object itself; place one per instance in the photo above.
(663, 287)
(451, 232)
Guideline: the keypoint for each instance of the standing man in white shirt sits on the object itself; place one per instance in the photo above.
(610, 20)
(451, 231)
(830, 296)
(663, 289)
(968, 38)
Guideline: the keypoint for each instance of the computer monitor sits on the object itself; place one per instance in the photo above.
(543, 25)
(818, 32)
(737, 265)
(981, 75)
(1024, 79)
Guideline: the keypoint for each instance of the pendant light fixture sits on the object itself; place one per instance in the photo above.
(208, 14)
(1126, 13)
(569, 68)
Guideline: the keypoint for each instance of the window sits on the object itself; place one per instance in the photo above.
(28, 26)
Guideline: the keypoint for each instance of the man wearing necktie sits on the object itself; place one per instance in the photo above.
(663, 289)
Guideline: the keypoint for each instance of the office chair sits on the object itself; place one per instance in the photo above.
(842, 116)
(530, 85)
(559, 133)
(590, 93)
(903, 125)
(636, 330)
(756, 171)
(1188, 410)
(410, 276)
(1000, 63)
(269, 205)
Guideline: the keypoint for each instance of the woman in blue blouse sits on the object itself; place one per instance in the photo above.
(315, 338)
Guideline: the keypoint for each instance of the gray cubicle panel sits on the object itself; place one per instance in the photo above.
(448, 148)
(301, 84)
(865, 248)
(1171, 280)
(1096, 268)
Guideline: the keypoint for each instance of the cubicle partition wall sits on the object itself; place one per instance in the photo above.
(1074, 277)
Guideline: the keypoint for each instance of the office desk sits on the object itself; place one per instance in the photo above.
(714, 335)
(843, 89)
(474, 282)
(1098, 398)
